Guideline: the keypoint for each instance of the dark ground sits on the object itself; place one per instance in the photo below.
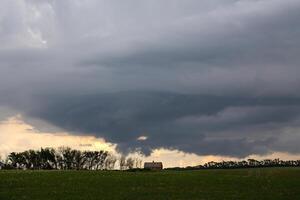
(254, 184)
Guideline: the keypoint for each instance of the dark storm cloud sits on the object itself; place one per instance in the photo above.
(187, 122)
(208, 77)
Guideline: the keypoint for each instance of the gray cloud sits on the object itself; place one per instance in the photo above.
(209, 77)
(204, 124)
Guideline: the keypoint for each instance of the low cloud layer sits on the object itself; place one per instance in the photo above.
(205, 77)
(19, 136)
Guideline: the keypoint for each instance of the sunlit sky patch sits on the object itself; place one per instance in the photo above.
(16, 136)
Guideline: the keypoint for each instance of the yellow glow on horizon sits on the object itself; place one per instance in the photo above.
(16, 135)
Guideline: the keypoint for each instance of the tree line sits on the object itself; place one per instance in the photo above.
(65, 158)
(250, 163)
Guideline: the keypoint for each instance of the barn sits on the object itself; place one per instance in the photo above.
(153, 165)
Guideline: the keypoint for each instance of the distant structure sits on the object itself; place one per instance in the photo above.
(153, 165)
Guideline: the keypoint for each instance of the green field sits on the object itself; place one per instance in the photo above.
(274, 183)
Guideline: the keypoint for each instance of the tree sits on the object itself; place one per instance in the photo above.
(122, 162)
(34, 158)
(138, 163)
(15, 160)
(79, 159)
(1, 162)
(110, 162)
(129, 163)
(47, 158)
(100, 157)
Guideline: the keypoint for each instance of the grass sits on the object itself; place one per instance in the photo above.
(272, 183)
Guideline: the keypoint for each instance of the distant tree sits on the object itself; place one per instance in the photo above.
(47, 158)
(122, 162)
(14, 160)
(100, 159)
(26, 159)
(1, 162)
(90, 159)
(129, 163)
(79, 159)
(34, 159)
(253, 162)
(66, 157)
(110, 162)
(137, 163)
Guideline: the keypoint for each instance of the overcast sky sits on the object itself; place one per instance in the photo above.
(209, 77)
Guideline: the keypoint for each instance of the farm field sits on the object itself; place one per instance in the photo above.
(271, 183)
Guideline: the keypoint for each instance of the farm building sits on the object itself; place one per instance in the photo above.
(153, 165)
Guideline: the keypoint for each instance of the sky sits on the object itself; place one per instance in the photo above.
(176, 80)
